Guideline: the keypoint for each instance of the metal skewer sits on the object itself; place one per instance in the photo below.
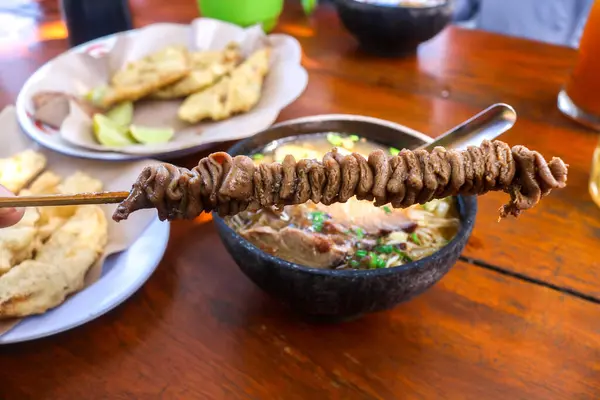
(488, 124)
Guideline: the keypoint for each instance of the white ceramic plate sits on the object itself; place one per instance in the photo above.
(144, 239)
(122, 275)
(288, 81)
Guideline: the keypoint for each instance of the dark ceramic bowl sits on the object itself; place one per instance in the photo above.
(393, 30)
(333, 295)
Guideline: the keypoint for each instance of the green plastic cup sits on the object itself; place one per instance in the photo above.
(243, 12)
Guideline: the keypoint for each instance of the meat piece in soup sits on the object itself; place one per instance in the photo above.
(351, 235)
(297, 245)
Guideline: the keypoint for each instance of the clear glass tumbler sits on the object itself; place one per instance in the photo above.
(580, 98)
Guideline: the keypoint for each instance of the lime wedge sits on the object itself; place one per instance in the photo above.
(147, 135)
(121, 114)
(108, 133)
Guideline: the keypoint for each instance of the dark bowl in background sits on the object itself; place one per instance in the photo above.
(393, 30)
(336, 295)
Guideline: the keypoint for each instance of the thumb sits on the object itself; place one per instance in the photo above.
(9, 216)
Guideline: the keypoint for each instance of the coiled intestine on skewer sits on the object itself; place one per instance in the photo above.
(230, 185)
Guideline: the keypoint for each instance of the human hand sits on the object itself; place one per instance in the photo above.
(9, 216)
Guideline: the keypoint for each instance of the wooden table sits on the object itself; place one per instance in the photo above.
(516, 318)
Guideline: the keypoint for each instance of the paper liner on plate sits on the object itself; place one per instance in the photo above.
(77, 73)
(115, 176)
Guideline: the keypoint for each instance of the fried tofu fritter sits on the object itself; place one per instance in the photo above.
(233, 94)
(50, 183)
(19, 170)
(46, 255)
(59, 268)
(140, 78)
(20, 241)
(207, 67)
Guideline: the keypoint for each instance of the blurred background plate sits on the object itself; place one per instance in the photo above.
(261, 117)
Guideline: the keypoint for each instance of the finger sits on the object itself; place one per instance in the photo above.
(9, 216)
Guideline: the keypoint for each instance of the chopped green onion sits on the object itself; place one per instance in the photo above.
(354, 263)
(387, 209)
(381, 263)
(359, 233)
(415, 238)
(373, 260)
(402, 254)
(361, 253)
(385, 249)
(258, 156)
(318, 217)
(334, 139)
(354, 138)
(394, 151)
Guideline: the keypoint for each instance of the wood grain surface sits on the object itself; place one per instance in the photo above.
(517, 319)
(199, 329)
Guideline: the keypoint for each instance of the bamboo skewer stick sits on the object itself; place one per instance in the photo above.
(52, 200)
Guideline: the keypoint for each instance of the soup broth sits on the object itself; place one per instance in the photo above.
(351, 235)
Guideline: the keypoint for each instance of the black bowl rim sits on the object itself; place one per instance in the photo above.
(466, 227)
(358, 3)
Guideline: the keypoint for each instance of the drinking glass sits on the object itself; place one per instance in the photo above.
(580, 98)
(90, 19)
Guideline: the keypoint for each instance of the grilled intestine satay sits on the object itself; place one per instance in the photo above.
(230, 185)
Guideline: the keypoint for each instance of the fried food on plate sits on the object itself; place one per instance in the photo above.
(50, 183)
(48, 221)
(207, 68)
(76, 183)
(233, 94)
(18, 242)
(79, 182)
(59, 268)
(17, 171)
(46, 255)
(46, 183)
(142, 77)
(81, 238)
